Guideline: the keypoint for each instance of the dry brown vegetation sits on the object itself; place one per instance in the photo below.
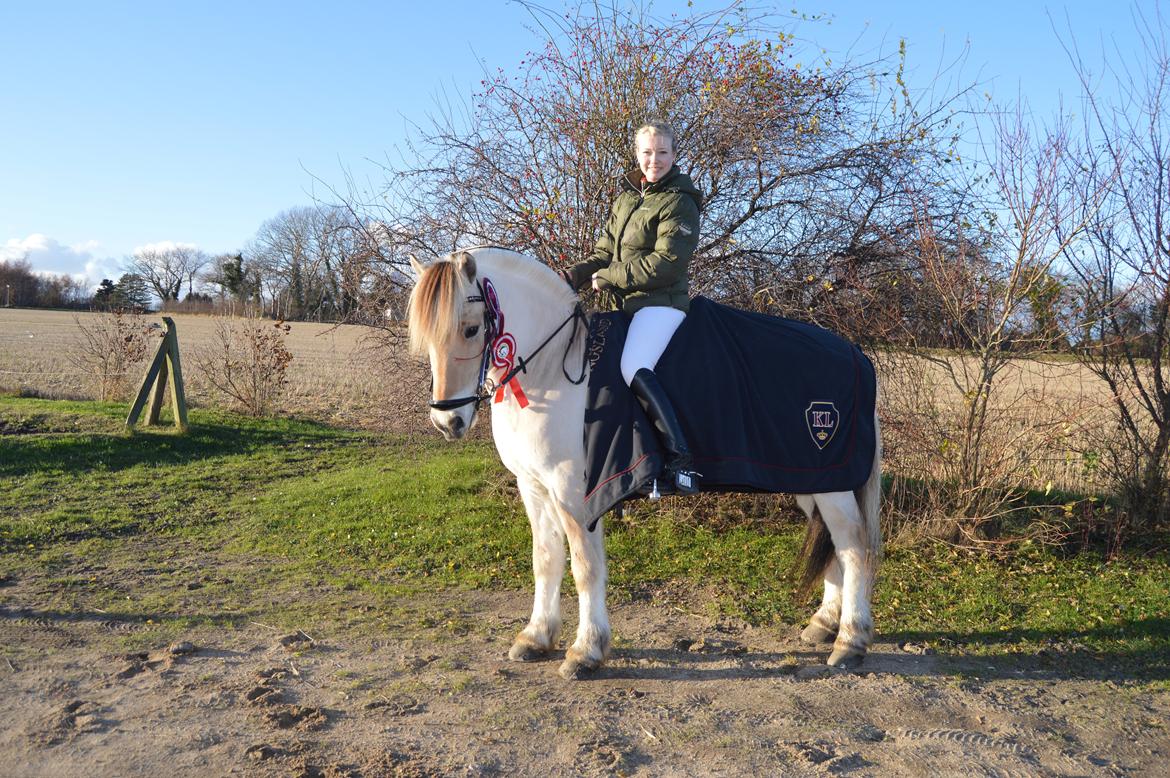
(1041, 437)
(340, 374)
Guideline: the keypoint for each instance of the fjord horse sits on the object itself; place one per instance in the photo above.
(476, 314)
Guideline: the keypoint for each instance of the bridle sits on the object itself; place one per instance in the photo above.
(499, 350)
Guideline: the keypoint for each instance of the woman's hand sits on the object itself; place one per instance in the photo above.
(600, 284)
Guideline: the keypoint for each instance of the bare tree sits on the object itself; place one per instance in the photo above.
(18, 281)
(1123, 270)
(313, 261)
(167, 266)
(21, 286)
(985, 276)
(804, 166)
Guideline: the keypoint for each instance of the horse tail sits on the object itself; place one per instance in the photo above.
(816, 552)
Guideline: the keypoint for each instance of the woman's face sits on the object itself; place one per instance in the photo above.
(655, 155)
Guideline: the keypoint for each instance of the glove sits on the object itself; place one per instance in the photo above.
(601, 285)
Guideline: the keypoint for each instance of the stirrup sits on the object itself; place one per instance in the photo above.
(681, 482)
(686, 482)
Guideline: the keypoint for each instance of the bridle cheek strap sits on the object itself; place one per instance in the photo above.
(481, 392)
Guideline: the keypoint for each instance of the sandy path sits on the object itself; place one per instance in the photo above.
(431, 693)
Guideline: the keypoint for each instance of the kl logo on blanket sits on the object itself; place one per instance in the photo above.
(822, 419)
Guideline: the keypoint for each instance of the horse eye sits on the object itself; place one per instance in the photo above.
(471, 331)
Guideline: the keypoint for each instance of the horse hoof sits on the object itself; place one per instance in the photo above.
(524, 652)
(846, 658)
(815, 633)
(577, 670)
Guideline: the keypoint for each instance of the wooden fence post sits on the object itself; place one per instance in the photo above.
(165, 372)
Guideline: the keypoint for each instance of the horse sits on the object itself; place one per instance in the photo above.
(537, 424)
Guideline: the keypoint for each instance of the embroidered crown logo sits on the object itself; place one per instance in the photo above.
(822, 419)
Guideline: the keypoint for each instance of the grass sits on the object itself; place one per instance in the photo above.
(242, 517)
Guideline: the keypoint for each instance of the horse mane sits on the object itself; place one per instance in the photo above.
(436, 303)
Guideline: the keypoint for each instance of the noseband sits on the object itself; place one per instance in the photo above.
(494, 342)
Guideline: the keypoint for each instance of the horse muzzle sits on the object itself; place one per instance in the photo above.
(451, 423)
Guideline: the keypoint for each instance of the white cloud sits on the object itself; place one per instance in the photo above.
(16, 248)
(163, 246)
(47, 255)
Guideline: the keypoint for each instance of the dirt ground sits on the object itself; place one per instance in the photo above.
(424, 688)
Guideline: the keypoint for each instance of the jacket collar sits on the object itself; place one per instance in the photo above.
(634, 182)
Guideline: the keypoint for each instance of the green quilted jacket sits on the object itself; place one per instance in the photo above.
(647, 244)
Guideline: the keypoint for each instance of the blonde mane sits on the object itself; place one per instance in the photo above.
(436, 305)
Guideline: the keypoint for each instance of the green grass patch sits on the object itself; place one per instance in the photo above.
(1033, 601)
(415, 512)
(247, 513)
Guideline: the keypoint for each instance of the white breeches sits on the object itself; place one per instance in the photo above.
(648, 336)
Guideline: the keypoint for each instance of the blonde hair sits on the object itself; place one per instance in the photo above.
(436, 305)
(658, 128)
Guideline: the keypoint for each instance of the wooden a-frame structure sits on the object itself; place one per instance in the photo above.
(160, 380)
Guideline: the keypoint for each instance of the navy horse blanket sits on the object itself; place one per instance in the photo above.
(767, 405)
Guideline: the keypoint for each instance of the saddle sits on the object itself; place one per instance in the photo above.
(767, 405)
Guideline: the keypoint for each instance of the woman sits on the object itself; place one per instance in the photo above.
(640, 267)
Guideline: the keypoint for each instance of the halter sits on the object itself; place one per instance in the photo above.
(499, 350)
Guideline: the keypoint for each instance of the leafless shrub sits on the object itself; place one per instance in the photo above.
(110, 347)
(193, 304)
(247, 363)
(986, 277)
(1031, 439)
(1123, 270)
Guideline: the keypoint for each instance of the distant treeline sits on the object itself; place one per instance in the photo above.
(21, 287)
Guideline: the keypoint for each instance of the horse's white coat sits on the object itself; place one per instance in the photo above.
(543, 446)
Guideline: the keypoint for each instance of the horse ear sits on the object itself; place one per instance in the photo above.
(466, 263)
(415, 265)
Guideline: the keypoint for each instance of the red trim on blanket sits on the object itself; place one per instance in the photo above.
(770, 466)
(617, 475)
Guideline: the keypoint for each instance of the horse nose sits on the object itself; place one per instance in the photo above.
(452, 426)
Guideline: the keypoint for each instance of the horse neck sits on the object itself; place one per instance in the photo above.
(533, 308)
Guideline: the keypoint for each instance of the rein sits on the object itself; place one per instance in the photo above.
(499, 346)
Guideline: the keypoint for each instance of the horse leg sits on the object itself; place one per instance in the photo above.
(826, 622)
(587, 554)
(548, 568)
(822, 627)
(843, 519)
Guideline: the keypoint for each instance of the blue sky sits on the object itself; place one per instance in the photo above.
(124, 124)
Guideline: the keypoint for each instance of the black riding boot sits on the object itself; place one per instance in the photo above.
(677, 467)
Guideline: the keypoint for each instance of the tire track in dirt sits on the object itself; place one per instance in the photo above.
(33, 618)
(964, 737)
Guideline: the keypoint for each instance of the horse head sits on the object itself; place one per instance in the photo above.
(447, 323)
